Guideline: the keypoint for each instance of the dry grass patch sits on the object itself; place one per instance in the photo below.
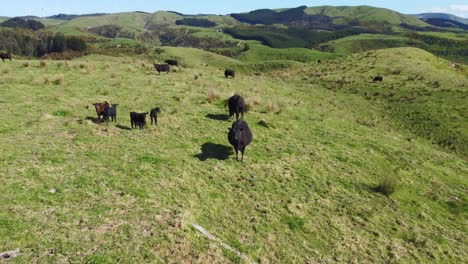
(213, 95)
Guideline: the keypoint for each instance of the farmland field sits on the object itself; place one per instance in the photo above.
(335, 173)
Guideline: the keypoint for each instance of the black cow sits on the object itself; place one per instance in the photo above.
(101, 108)
(162, 68)
(319, 61)
(378, 79)
(138, 119)
(228, 73)
(172, 62)
(154, 115)
(237, 106)
(111, 112)
(240, 137)
(5, 56)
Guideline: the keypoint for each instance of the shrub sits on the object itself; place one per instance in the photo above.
(388, 185)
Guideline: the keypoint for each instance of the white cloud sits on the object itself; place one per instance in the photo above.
(458, 10)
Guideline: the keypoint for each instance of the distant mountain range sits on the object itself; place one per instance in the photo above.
(442, 16)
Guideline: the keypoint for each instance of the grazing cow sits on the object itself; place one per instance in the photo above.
(154, 115)
(138, 119)
(5, 56)
(162, 68)
(111, 112)
(101, 108)
(377, 79)
(240, 137)
(172, 62)
(237, 106)
(228, 73)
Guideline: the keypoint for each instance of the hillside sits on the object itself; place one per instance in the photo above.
(443, 16)
(365, 15)
(328, 145)
(420, 92)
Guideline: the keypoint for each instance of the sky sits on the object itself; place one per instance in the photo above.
(42, 8)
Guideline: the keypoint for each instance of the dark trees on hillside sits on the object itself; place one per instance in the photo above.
(22, 23)
(36, 44)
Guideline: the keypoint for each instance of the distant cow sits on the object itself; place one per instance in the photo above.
(154, 115)
(111, 112)
(237, 106)
(319, 61)
(138, 119)
(240, 137)
(5, 56)
(378, 79)
(228, 73)
(172, 62)
(162, 68)
(101, 108)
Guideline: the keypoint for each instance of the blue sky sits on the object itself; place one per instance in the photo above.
(51, 7)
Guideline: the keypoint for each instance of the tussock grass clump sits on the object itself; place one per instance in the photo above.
(25, 64)
(272, 107)
(213, 95)
(6, 71)
(87, 67)
(55, 80)
(251, 102)
(294, 222)
(43, 64)
(387, 185)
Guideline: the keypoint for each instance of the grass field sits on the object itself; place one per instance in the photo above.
(310, 189)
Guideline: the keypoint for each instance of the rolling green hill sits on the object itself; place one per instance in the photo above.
(365, 15)
(132, 21)
(420, 92)
(364, 42)
(339, 170)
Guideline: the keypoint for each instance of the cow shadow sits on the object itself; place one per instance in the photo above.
(219, 117)
(123, 127)
(214, 151)
(95, 120)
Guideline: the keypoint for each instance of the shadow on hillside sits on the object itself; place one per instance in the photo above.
(220, 117)
(123, 127)
(214, 151)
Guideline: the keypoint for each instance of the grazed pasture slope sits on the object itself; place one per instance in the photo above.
(76, 191)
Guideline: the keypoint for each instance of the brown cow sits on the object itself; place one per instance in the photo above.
(101, 108)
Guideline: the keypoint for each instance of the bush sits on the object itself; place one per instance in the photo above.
(196, 22)
(388, 185)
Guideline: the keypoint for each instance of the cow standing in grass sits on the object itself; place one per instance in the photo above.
(162, 68)
(111, 112)
(5, 56)
(228, 73)
(138, 119)
(377, 79)
(101, 108)
(172, 62)
(237, 106)
(240, 137)
(154, 115)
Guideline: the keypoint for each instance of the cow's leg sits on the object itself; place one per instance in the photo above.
(156, 120)
(242, 151)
